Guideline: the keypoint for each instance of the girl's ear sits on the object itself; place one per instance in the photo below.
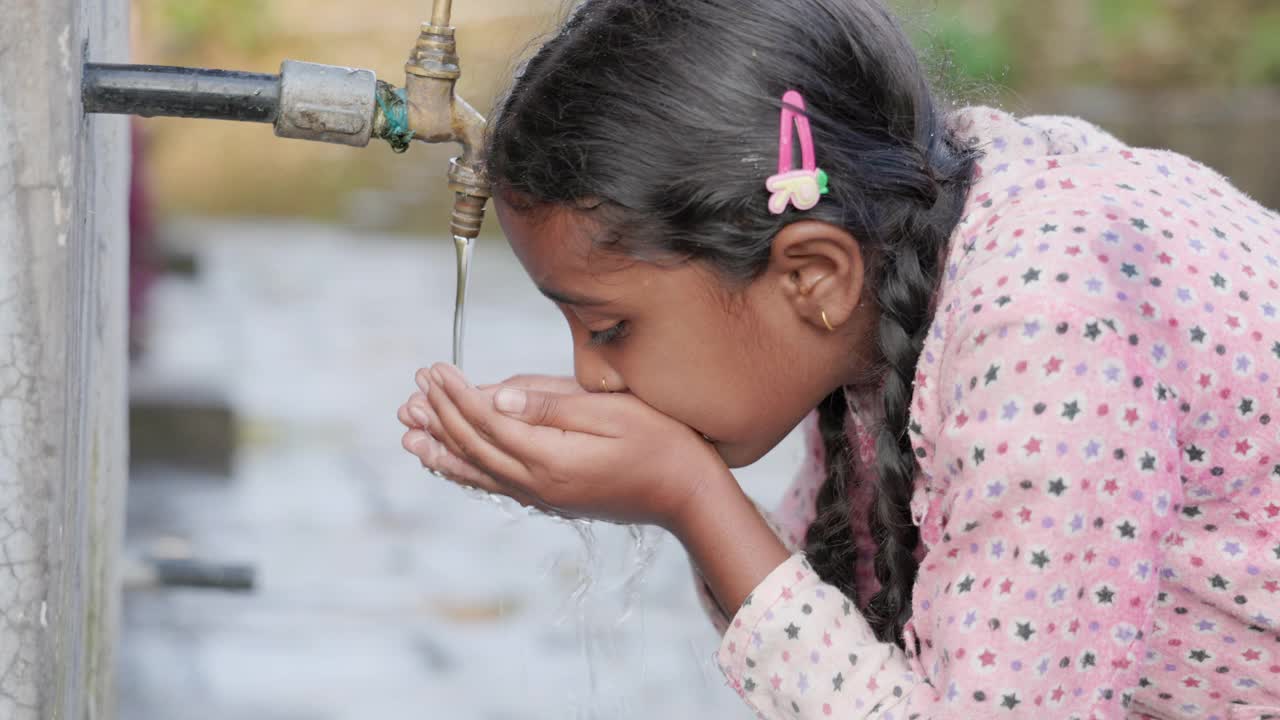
(820, 271)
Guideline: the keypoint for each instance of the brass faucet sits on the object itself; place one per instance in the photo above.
(327, 103)
(324, 103)
(431, 111)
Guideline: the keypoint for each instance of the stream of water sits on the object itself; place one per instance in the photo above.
(464, 247)
(640, 553)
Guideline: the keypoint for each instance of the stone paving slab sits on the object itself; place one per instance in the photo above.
(383, 592)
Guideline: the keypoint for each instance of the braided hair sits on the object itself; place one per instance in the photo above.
(662, 116)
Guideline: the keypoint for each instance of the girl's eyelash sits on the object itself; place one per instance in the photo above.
(604, 337)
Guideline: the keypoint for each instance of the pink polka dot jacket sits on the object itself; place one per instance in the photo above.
(1096, 414)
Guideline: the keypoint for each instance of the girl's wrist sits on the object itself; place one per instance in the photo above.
(729, 541)
(716, 487)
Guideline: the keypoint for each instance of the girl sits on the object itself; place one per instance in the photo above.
(1044, 478)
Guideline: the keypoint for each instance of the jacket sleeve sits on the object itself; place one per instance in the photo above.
(1055, 477)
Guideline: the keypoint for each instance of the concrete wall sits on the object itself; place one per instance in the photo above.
(63, 248)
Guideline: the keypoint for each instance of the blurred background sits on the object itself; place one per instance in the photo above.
(1196, 76)
(285, 292)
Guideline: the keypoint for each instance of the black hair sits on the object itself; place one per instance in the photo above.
(662, 116)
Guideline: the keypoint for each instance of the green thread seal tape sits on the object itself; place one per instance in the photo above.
(395, 108)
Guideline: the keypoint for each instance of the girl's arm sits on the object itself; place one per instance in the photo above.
(789, 521)
(730, 542)
(1058, 479)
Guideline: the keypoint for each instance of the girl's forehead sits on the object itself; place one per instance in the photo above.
(560, 241)
(558, 246)
(548, 240)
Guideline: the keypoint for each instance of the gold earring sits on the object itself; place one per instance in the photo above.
(604, 384)
(827, 322)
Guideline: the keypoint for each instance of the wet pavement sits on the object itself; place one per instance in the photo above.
(383, 592)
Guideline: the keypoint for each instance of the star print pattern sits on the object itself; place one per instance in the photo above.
(1099, 495)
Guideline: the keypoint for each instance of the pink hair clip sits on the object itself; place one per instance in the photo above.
(804, 187)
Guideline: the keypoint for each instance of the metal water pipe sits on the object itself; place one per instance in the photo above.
(437, 114)
(325, 103)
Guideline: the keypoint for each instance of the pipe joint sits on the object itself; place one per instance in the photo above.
(326, 103)
(435, 55)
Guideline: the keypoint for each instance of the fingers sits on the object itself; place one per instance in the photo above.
(415, 412)
(533, 447)
(508, 431)
(544, 383)
(464, 440)
(420, 410)
(542, 451)
(584, 413)
(424, 447)
(437, 458)
(405, 418)
(446, 458)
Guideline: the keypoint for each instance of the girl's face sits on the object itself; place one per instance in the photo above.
(741, 365)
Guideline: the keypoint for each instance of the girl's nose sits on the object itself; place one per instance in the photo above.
(594, 374)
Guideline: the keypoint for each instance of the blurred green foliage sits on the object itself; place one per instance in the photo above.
(1260, 52)
(968, 54)
(245, 25)
(1124, 18)
(1029, 45)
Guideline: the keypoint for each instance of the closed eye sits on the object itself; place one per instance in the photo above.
(613, 334)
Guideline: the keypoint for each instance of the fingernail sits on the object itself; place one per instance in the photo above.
(420, 415)
(420, 446)
(436, 377)
(510, 401)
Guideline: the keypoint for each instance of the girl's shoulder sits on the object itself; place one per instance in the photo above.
(1063, 212)
(1003, 135)
(1036, 215)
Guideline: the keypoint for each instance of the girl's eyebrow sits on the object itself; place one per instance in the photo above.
(568, 299)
